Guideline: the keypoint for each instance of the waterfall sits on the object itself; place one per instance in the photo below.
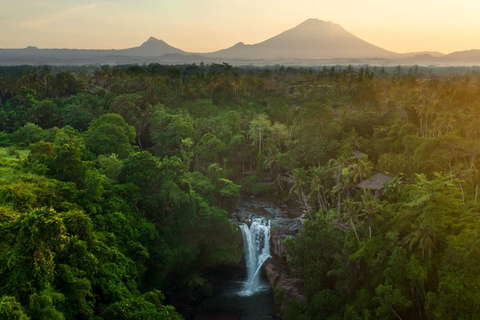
(256, 244)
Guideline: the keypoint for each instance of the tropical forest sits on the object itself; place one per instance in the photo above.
(119, 189)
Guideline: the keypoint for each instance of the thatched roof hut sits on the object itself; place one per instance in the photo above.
(375, 183)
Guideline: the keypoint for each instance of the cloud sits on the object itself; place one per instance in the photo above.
(57, 16)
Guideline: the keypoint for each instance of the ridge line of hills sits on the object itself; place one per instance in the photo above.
(311, 42)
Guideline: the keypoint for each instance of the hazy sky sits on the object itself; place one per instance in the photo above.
(210, 25)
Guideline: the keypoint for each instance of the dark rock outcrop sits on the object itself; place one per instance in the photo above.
(285, 288)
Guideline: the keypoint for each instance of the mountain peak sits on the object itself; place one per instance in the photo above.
(153, 47)
(316, 24)
(312, 21)
(152, 41)
(312, 39)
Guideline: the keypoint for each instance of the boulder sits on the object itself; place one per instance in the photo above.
(274, 212)
(286, 226)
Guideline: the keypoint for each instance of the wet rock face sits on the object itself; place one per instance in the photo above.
(247, 210)
(284, 220)
(287, 226)
(283, 228)
(287, 286)
(277, 248)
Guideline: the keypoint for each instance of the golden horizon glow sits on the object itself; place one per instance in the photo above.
(211, 25)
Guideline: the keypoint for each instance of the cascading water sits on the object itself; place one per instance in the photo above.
(256, 244)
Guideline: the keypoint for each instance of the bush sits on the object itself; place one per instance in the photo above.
(4, 139)
(13, 152)
(253, 186)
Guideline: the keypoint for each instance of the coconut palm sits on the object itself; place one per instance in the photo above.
(371, 210)
(300, 182)
(351, 213)
(318, 186)
(424, 238)
(340, 175)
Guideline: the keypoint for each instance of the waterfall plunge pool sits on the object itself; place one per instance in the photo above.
(233, 306)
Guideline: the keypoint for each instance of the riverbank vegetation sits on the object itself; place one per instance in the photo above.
(116, 184)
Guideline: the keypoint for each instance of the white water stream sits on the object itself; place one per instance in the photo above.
(256, 244)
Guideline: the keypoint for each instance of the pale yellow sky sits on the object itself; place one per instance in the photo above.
(210, 25)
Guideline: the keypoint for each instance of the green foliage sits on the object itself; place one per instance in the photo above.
(29, 133)
(142, 170)
(43, 305)
(12, 152)
(168, 131)
(11, 309)
(67, 164)
(227, 194)
(208, 150)
(110, 134)
(459, 281)
(41, 157)
(4, 138)
(313, 252)
(127, 106)
(278, 297)
(39, 235)
(92, 194)
(62, 159)
(110, 165)
(252, 185)
(138, 308)
(391, 301)
(295, 311)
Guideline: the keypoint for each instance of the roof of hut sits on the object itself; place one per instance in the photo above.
(375, 182)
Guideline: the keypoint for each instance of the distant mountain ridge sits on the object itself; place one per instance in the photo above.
(313, 39)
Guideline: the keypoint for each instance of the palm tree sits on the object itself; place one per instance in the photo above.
(371, 210)
(424, 237)
(300, 183)
(340, 173)
(354, 140)
(271, 164)
(318, 188)
(346, 272)
(361, 169)
(393, 189)
(351, 212)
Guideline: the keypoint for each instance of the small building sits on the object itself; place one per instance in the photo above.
(375, 183)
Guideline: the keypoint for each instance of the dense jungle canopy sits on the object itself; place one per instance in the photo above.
(116, 184)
